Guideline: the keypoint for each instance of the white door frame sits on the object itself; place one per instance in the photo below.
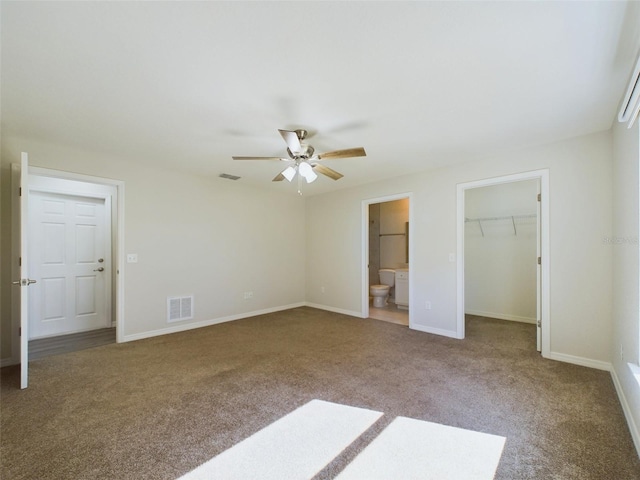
(365, 249)
(117, 233)
(543, 177)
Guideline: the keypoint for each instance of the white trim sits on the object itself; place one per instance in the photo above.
(502, 316)
(626, 408)
(365, 250)
(207, 323)
(328, 308)
(543, 176)
(582, 361)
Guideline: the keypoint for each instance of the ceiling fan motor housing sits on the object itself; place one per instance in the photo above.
(304, 154)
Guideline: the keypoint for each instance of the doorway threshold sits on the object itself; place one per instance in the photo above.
(46, 347)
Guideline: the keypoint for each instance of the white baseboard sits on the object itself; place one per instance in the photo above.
(207, 323)
(501, 316)
(328, 308)
(583, 362)
(633, 427)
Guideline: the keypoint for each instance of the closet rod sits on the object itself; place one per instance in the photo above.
(506, 217)
(392, 234)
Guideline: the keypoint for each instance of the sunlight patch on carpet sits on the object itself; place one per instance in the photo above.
(415, 449)
(297, 446)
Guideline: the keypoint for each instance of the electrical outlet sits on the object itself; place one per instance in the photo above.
(248, 295)
(622, 352)
(427, 305)
(132, 258)
(322, 289)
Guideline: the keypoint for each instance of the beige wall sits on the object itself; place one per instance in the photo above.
(624, 244)
(217, 239)
(581, 209)
(500, 260)
(196, 235)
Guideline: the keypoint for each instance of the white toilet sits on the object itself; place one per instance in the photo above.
(381, 292)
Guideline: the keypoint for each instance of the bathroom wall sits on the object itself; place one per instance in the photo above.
(374, 243)
(500, 259)
(387, 236)
(393, 241)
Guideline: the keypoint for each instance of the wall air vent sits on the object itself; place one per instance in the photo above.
(179, 308)
(229, 176)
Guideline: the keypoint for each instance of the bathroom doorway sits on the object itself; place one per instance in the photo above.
(386, 244)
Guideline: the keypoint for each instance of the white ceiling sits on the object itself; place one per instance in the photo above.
(417, 84)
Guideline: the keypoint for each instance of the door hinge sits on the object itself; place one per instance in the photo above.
(539, 260)
(539, 323)
(539, 197)
(19, 191)
(19, 331)
(19, 261)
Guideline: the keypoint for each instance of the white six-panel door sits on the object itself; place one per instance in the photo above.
(69, 249)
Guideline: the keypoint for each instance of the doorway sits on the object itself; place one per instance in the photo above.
(83, 220)
(495, 222)
(70, 258)
(501, 250)
(386, 248)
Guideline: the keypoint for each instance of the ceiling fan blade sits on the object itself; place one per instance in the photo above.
(347, 153)
(293, 142)
(257, 158)
(327, 171)
(278, 178)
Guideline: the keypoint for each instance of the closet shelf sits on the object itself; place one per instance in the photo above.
(505, 217)
(392, 234)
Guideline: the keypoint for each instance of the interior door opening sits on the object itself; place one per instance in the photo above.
(70, 253)
(70, 243)
(97, 259)
(386, 248)
(503, 245)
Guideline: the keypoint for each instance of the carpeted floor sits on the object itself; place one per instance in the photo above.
(158, 408)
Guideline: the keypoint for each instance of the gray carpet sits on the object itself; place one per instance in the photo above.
(158, 408)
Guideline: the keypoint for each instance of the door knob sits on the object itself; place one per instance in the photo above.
(99, 269)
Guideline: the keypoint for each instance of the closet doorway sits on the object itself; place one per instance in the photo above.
(502, 250)
(386, 242)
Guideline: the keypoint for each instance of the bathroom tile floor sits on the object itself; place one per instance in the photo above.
(390, 313)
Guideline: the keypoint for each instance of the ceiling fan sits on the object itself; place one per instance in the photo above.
(303, 159)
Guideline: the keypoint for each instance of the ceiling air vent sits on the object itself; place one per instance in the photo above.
(179, 308)
(229, 176)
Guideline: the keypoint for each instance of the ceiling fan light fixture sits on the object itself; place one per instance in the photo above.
(311, 177)
(289, 173)
(307, 172)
